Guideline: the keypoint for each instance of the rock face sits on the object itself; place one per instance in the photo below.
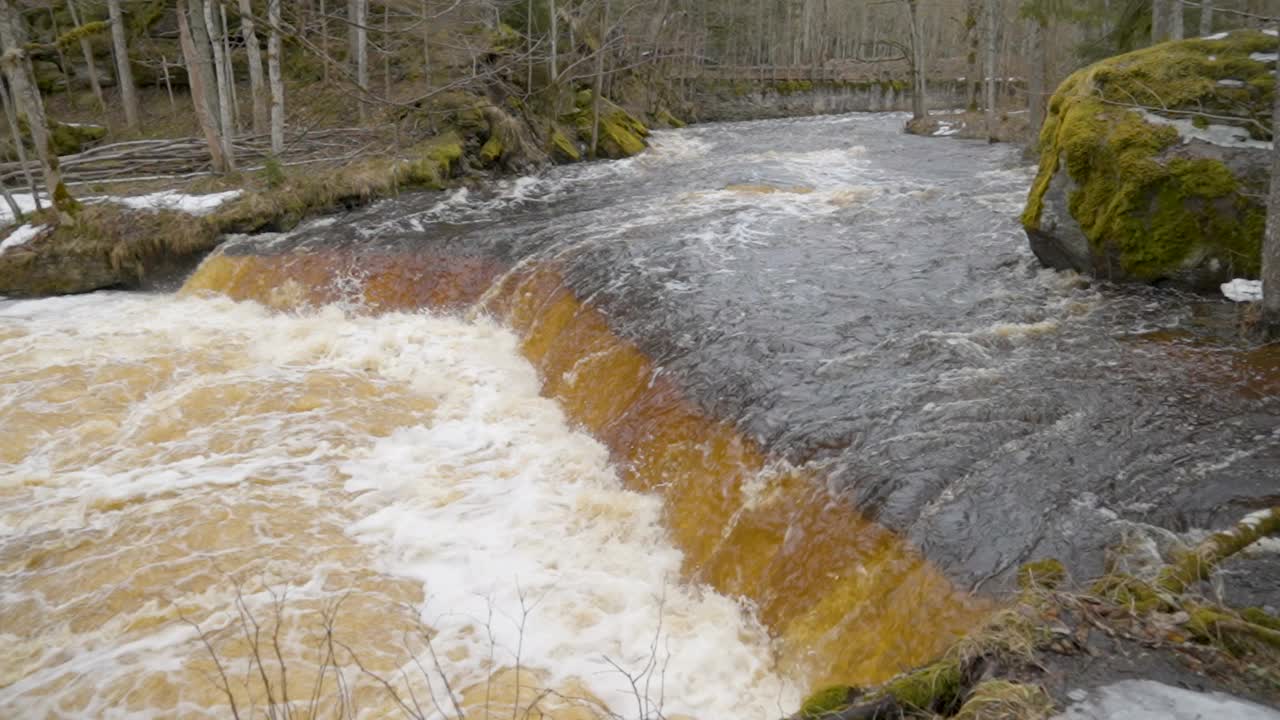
(1154, 165)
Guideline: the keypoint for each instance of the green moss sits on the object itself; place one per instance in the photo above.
(1261, 617)
(935, 687)
(433, 162)
(1145, 211)
(562, 148)
(72, 37)
(491, 151)
(1004, 700)
(1130, 592)
(1047, 573)
(828, 700)
(665, 117)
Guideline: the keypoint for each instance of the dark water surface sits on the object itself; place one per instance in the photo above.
(863, 303)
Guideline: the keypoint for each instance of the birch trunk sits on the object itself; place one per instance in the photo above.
(1271, 239)
(124, 73)
(919, 91)
(1175, 19)
(553, 63)
(991, 21)
(27, 101)
(204, 96)
(222, 96)
(277, 85)
(1206, 17)
(86, 49)
(362, 51)
(12, 116)
(1037, 83)
(257, 86)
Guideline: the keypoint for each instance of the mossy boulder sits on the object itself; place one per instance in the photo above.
(1154, 164)
(64, 139)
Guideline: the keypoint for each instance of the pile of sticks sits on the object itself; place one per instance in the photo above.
(188, 157)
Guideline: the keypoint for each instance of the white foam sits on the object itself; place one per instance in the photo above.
(1241, 290)
(22, 236)
(482, 492)
(1150, 700)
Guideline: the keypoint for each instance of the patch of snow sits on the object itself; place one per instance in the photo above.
(1229, 82)
(1271, 31)
(21, 236)
(171, 200)
(1150, 700)
(1212, 58)
(1264, 57)
(1224, 135)
(1243, 290)
(87, 125)
(25, 202)
(1255, 518)
(1216, 36)
(946, 128)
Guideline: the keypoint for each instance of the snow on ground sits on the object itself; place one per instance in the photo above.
(947, 128)
(21, 236)
(26, 203)
(1224, 135)
(1243, 290)
(171, 200)
(1150, 700)
(1264, 57)
(164, 200)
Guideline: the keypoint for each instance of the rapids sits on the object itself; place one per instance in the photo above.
(766, 403)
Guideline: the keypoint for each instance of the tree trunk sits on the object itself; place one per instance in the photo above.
(1037, 83)
(973, 13)
(991, 21)
(1159, 21)
(200, 76)
(599, 82)
(223, 95)
(27, 101)
(1206, 18)
(362, 51)
(1175, 19)
(86, 49)
(273, 71)
(12, 116)
(919, 90)
(257, 86)
(1271, 241)
(124, 73)
(553, 62)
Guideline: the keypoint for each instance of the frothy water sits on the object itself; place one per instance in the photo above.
(403, 468)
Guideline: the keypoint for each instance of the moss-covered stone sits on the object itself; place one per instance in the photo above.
(491, 151)
(933, 688)
(828, 700)
(562, 148)
(1121, 195)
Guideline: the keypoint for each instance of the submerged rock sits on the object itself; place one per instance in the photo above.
(1154, 165)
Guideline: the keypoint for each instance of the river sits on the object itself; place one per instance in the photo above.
(770, 405)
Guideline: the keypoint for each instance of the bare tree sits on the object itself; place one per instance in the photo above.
(27, 101)
(273, 71)
(991, 21)
(221, 71)
(919, 90)
(1206, 17)
(124, 73)
(257, 85)
(201, 77)
(1271, 239)
(86, 49)
(359, 24)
